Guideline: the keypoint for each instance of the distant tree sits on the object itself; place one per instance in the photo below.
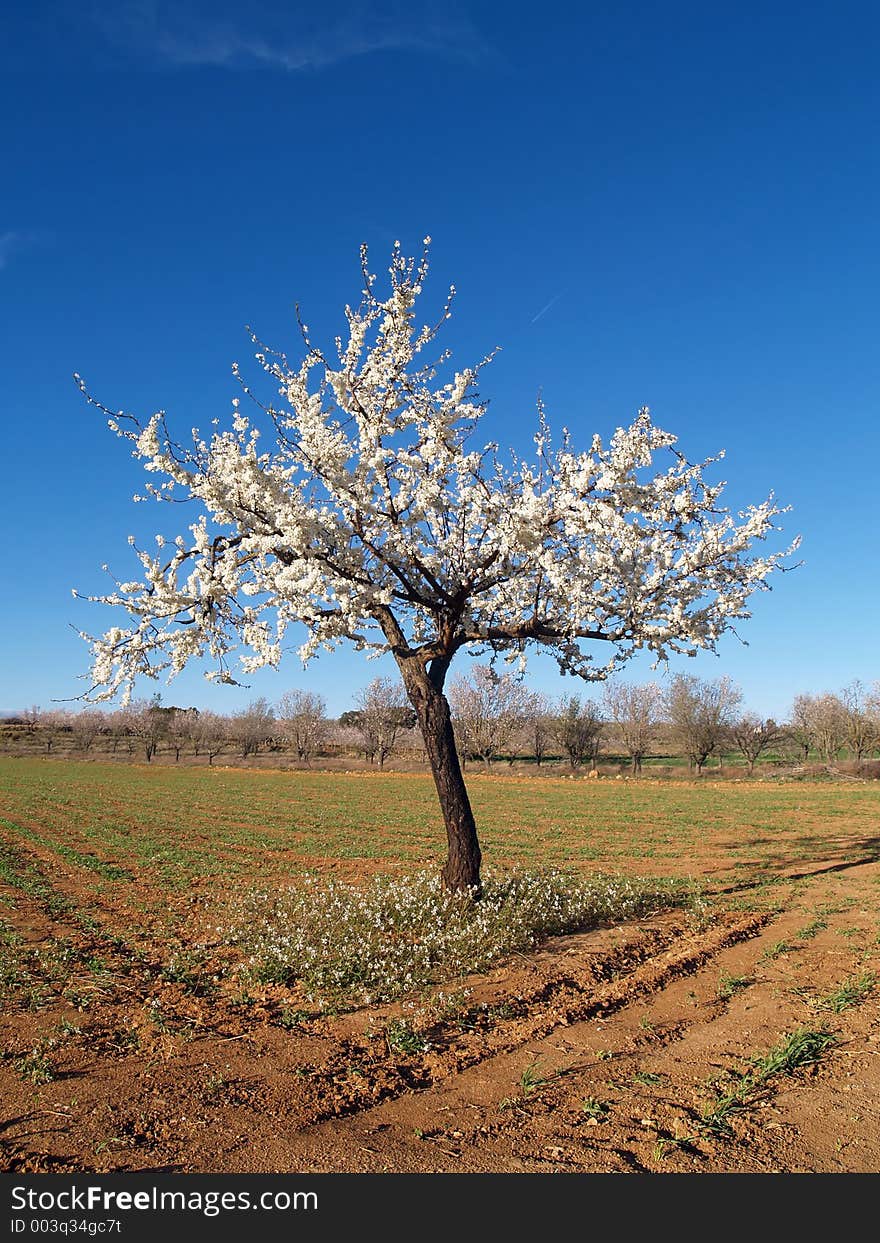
(753, 737)
(798, 731)
(51, 724)
(148, 722)
(539, 724)
(376, 517)
(488, 708)
(872, 703)
(302, 721)
(382, 714)
(32, 717)
(253, 726)
(349, 724)
(701, 713)
(178, 728)
(209, 733)
(827, 724)
(578, 730)
(636, 712)
(86, 726)
(862, 719)
(119, 729)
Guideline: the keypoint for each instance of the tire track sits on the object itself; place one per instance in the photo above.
(598, 987)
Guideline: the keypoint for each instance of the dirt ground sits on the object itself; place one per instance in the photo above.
(602, 1052)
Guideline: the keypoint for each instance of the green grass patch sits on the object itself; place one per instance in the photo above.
(110, 871)
(728, 985)
(800, 1048)
(591, 1107)
(190, 823)
(852, 992)
(19, 873)
(777, 949)
(402, 1037)
(17, 982)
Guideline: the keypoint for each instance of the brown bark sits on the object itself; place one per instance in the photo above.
(425, 691)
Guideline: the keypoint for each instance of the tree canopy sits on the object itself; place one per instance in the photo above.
(377, 517)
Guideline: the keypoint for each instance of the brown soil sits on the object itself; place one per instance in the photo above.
(599, 1053)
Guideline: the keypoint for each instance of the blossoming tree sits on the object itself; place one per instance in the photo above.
(375, 518)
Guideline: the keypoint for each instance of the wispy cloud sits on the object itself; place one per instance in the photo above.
(544, 309)
(194, 33)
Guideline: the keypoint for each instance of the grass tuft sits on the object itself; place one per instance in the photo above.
(800, 1048)
(728, 985)
(402, 1037)
(852, 992)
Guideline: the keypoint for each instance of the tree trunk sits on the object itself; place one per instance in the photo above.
(462, 869)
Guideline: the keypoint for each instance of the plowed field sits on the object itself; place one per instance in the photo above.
(743, 1037)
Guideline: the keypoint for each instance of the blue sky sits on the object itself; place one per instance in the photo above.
(642, 204)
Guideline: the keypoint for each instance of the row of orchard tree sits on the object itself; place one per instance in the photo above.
(690, 717)
(495, 716)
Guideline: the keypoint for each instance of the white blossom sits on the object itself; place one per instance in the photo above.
(378, 518)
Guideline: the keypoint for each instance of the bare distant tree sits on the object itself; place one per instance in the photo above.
(51, 724)
(753, 737)
(302, 720)
(862, 720)
(382, 714)
(148, 722)
(488, 709)
(253, 726)
(178, 729)
(872, 703)
(539, 724)
(636, 711)
(578, 730)
(827, 723)
(351, 730)
(120, 729)
(799, 731)
(209, 732)
(32, 717)
(86, 727)
(701, 713)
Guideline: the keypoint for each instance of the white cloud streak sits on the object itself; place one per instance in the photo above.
(190, 35)
(544, 309)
